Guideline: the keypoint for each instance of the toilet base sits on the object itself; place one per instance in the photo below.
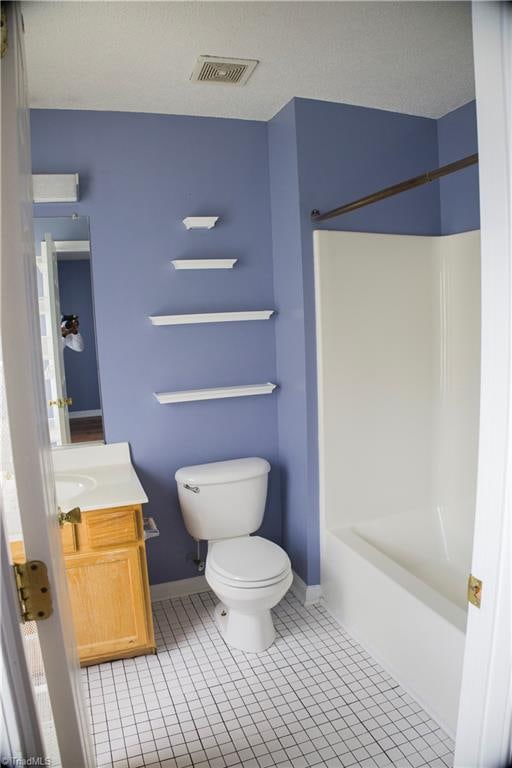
(250, 632)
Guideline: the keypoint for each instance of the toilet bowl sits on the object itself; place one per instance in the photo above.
(223, 503)
(249, 575)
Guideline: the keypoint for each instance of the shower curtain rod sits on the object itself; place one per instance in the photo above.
(403, 186)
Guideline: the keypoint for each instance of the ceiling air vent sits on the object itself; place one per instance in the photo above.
(212, 69)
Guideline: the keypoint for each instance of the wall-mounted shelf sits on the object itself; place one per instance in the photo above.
(200, 222)
(211, 317)
(55, 187)
(216, 393)
(203, 263)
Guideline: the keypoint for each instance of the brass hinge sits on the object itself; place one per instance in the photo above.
(33, 589)
(474, 590)
(3, 33)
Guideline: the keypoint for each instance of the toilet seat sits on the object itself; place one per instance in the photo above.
(248, 562)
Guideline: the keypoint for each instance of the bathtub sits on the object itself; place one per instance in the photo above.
(390, 583)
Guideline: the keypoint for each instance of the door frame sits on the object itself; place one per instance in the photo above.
(48, 266)
(484, 731)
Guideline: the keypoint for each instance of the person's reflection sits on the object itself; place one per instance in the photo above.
(71, 336)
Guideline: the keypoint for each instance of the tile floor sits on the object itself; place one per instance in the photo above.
(315, 698)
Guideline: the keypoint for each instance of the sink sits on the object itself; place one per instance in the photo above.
(69, 486)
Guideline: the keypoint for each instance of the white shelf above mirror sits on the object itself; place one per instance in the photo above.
(55, 187)
(211, 317)
(215, 393)
(200, 222)
(203, 263)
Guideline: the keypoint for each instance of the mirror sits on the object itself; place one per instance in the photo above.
(68, 334)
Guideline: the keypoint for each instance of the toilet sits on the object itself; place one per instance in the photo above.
(223, 503)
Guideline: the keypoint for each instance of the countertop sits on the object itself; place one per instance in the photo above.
(96, 477)
(90, 476)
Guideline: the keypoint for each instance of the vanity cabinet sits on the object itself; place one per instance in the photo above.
(105, 558)
(108, 585)
(108, 602)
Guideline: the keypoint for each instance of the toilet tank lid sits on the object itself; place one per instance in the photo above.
(222, 471)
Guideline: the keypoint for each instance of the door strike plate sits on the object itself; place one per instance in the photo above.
(474, 590)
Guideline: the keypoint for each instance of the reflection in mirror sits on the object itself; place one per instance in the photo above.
(66, 312)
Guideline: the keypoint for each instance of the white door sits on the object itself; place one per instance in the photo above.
(51, 339)
(28, 489)
(484, 731)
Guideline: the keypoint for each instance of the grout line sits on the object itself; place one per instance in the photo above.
(313, 684)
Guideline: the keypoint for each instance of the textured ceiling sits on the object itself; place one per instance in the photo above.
(412, 57)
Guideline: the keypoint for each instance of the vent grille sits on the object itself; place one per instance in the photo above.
(211, 69)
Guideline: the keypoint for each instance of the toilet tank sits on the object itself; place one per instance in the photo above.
(223, 499)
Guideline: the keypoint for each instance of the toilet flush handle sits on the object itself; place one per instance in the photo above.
(193, 488)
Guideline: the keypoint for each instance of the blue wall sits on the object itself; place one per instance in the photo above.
(140, 176)
(81, 368)
(457, 138)
(335, 153)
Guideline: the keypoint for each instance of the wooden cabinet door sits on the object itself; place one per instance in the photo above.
(108, 601)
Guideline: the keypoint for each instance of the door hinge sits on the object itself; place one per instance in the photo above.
(474, 590)
(3, 33)
(33, 589)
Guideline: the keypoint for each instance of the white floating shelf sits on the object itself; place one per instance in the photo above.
(203, 263)
(200, 222)
(217, 393)
(55, 187)
(211, 317)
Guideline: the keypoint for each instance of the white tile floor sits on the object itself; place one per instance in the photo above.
(315, 698)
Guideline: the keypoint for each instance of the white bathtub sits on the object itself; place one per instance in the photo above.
(390, 584)
(419, 544)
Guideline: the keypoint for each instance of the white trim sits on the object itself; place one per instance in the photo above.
(211, 317)
(320, 398)
(203, 263)
(68, 250)
(215, 393)
(84, 414)
(200, 222)
(305, 594)
(53, 352)
(182, 588)
(484, 730)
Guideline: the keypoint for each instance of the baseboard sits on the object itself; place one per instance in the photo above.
(307, 595)
(181, 588)
(84, 414)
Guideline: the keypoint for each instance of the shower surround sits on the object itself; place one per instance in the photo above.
(398, 343)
